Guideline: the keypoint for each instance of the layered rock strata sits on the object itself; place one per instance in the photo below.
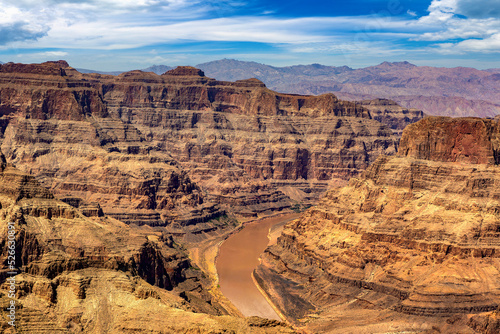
(180, 147)
(390, 113)
(412, 243)
(94, 274)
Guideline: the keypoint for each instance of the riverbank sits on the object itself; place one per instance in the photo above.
(204, 254)
(238, 257)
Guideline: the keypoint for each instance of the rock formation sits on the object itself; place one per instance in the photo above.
(412, 244)
(98, 275)
(390, 113)
(180, 149)
(111, 173)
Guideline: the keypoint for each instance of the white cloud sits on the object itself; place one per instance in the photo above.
(108, 5)
(19, 25)
(116, 35)
(45, 55)
(54, 53)
(458, 28)
(486, 45)
(127, 24)
(462, 25)
(445, 6)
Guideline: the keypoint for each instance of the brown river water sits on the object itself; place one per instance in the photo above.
(238, 257)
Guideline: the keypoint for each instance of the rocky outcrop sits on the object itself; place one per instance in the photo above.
(242, 134)
(415, 239)
(102, 300)
(94, 274)
(51, 68)
(185, 71)
(487, 323)
(186, 88)
(48, 90)
(102, 161)
(48, 237)
(156, 149)
(469, 140)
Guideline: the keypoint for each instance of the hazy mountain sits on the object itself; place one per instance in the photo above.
(158, 69)
(231, 70)
(456, 91)
(83, 70)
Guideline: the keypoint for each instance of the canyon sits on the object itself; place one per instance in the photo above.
(440, 91)
(122, 188)
(91, 274)
(181, 149)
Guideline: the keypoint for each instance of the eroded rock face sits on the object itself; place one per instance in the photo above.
(390, 113)
(456, 92)
(50, 237)
(185, 71)
(48, 90)
(96, 274)
(488, 323)
(180, 147)
(414, 242)
(103, 300)
(469, 140)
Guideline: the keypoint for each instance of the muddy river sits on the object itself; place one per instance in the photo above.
(238, 257)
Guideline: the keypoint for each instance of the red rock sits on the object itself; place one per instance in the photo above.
(185, 71)
(440, 91)
(55, 68)
(471, 140)
(69, 263)
(232, 140)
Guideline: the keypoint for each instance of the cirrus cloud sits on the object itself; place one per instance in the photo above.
(449, 27)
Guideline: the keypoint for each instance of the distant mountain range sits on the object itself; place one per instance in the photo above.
(84, 70)
(456, 91)
(437, 91)
(158, 69)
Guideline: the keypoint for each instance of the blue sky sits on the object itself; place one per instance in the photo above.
(130, 34)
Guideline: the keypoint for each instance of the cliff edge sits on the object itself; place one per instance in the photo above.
(414, 242)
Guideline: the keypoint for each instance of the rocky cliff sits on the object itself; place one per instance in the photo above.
(390, 113)
(468, 140)
(98, 275)
(113, 172)
(181, 147)
(413, 244)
